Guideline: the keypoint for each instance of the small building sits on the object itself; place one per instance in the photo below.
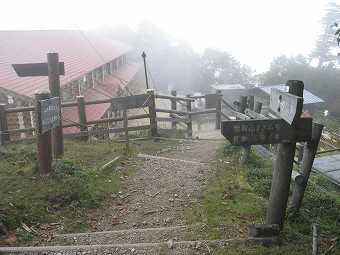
(231, 92)
(95, 67)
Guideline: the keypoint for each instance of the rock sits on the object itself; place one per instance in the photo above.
(198, 245)
(170, 244)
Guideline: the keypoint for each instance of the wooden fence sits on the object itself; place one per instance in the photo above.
(180, 120)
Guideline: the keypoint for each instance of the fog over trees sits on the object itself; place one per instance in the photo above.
(171, 61)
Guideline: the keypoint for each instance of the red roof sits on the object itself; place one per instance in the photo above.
(105, 89)
(81, 53)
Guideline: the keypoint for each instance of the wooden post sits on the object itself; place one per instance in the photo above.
(189, 124)
(44, 141)
(242, 104)
(306, 166)
(54, 86)
(82, 117)
(126, 132)
(258, 107)
(3, 125)
(282, 172)
(300, 149)
(218, 109)
(315, 247)
(153, 114)
(251, 102)
(173, 107)
(246, 149)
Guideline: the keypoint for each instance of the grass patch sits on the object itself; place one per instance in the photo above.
(238, 196)
(75, 187)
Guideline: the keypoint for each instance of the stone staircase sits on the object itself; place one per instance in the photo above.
(164, 240)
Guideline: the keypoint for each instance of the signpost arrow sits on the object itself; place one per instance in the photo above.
(266, 131)
(35, 69)
(286, 105)
(53, 69)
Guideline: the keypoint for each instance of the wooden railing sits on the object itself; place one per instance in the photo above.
(180, 120)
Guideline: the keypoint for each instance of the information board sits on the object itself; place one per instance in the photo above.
(265, 131)
(50, 116)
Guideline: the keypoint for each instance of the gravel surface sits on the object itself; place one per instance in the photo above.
(155, 197)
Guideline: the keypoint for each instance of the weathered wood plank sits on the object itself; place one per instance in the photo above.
(264, 230)
(254, 114)
(286, 105)
(265, 131)
(131, 102)
(35, 69)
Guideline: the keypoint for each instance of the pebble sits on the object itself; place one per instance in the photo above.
(170, 244)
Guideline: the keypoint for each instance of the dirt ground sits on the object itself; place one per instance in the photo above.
(155, 199)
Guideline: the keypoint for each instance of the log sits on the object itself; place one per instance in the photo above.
(315, 240)
(297, 178)
(110, 163)
(264, 230)
(306, 166)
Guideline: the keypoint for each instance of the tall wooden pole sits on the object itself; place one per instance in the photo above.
(44, 141)
(282, 172)
(54, 86)
(146, 73)
(306, 166)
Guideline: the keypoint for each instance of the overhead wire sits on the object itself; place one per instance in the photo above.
(154, 84)
(93, 47)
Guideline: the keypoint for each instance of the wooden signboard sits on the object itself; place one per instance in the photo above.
(265, 131)
(35, 69)
(132, 102)
(49, 111)
(286, 105)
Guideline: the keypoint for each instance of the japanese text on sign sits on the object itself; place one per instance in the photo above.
(49, 114)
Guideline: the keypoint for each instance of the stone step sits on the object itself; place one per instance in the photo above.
(170, 247)
(146, 235)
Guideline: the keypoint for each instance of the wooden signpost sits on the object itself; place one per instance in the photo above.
(286, 131)
(266, 131)
(53, 69)
(286, 105)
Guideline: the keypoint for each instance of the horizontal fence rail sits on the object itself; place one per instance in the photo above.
(181, 116)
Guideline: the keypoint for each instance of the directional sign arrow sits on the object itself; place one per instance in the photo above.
(35, 69)
(265, 131)
(286, 105)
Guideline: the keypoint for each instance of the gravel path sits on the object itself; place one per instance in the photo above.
(161, 190)
(155, 197)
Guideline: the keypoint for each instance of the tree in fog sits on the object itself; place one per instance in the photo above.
(285, 68)
(220, 67)
(326, 42)
(323, 81)
(170, 61)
